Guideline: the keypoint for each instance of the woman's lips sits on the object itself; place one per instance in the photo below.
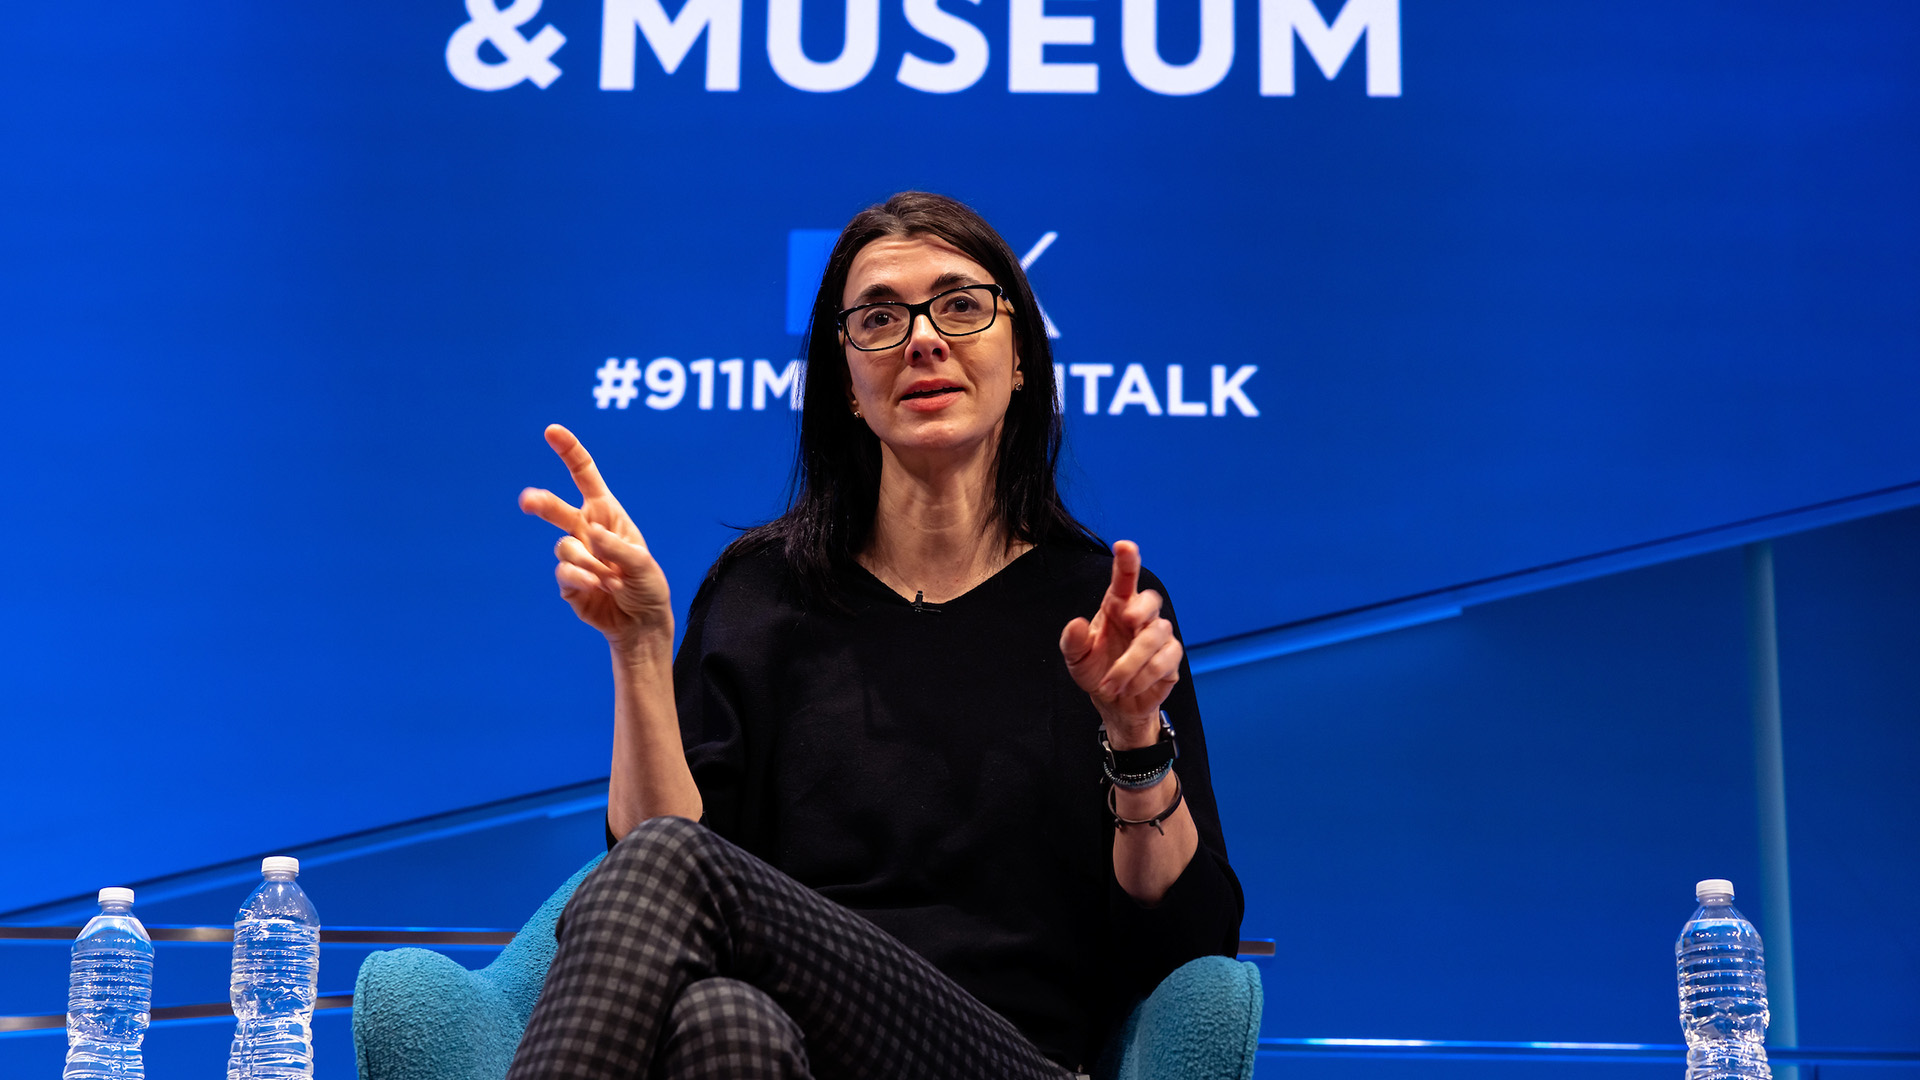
(931, 400)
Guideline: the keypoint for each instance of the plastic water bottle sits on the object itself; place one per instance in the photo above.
(1723, 989)
(109, 993)
(276, 976)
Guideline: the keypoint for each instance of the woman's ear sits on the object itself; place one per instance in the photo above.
(846, 383)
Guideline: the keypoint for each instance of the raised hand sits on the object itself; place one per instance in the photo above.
(605, 571)
(1126, 657)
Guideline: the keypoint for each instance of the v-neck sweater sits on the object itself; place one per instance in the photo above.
(934, 768)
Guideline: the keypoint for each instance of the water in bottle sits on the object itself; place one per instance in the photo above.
(1723, 989)
(276, 975)
(109, 993)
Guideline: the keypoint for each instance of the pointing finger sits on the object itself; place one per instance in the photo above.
(551, 509)
(1126, 570)
(586, 475)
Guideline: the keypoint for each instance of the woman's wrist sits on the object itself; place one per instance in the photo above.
(1126, 732)
(643, 650)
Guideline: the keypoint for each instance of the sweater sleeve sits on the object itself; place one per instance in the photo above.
(1200, 913)
(707, 699)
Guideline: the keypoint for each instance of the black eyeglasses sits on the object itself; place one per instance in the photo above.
(954, 313)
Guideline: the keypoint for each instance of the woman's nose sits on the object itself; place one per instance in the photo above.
(924, 343)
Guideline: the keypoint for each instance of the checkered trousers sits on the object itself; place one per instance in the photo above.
(682, 956)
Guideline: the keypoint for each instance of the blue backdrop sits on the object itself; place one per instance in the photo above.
(288, 300)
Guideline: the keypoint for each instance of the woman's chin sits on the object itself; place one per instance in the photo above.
(932, 435)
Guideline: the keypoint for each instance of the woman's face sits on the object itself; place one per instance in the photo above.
(931, 393)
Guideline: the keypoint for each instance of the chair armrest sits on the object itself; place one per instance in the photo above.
(1201, 1023)
(418, 1015)
(520, 971)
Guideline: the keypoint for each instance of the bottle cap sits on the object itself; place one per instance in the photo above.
(285, 864)
(116, 896)
(1713, 886)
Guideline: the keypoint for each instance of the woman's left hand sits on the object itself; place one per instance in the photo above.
(1126, 657)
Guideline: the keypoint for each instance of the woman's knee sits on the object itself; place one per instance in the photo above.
(663, 840)
(666, 827)
(735, 1027)
(664, 860)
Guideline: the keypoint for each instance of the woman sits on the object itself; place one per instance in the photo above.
(887, 713)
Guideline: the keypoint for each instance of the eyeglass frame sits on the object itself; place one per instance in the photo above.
(924, 307)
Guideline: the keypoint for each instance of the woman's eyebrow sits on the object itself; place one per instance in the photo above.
(877, 290)
(952, 279)
(881, 290)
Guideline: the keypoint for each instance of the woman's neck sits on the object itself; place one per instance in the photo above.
(934, 530)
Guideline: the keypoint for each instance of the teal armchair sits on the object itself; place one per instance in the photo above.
(418, 1015)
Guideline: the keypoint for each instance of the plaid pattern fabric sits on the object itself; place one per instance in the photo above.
(672, 951)
(723, 1029)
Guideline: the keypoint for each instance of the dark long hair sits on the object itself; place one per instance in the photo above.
(836, 477)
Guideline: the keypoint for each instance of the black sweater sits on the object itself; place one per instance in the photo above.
(936, 770)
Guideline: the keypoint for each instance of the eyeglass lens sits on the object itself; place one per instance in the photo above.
(956, 313)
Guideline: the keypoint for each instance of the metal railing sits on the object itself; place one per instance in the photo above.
(1259, 948)
(173, 1014)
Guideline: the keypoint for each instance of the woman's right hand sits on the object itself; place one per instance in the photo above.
(605, 571)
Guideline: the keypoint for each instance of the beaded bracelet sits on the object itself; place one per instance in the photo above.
(1135, 781)
(1113, 807)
